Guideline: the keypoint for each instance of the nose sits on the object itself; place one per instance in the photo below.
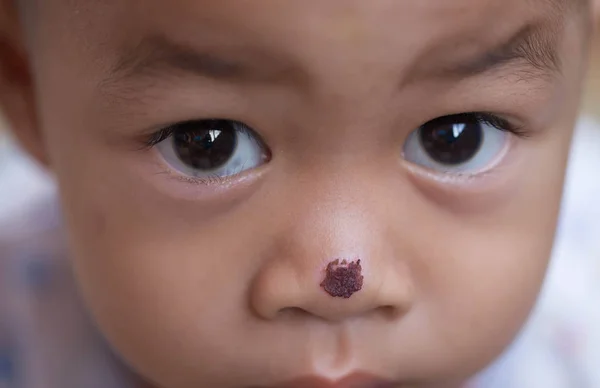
(282, 290)
(321, 235)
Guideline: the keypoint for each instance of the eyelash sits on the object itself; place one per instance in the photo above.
(497, 122)
(491, 119)
(163, 134)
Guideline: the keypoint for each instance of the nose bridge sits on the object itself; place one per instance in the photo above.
(336, 220)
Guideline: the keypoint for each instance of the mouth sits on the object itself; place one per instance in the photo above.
(356, 380)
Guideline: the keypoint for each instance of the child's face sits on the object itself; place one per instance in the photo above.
(202, 256)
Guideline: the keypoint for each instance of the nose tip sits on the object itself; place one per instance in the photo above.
(343, 278)
(280, 290)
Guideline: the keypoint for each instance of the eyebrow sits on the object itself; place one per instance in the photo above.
(157, 54)
(535, 46)
(561, 6)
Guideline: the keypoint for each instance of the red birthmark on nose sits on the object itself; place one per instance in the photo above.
(343, 279)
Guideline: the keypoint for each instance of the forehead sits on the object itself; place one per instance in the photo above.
(317, 36)
(276, 12)
(314, 22)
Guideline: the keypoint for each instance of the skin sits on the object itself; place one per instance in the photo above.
(216, 284)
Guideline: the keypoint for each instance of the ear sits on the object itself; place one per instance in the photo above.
(17, 98)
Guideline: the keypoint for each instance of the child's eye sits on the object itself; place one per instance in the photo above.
(461, 144)
(208, 149)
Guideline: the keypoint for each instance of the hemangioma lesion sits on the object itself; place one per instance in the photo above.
(343, 278)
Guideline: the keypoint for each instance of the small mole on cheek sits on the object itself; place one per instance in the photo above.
(342, 279)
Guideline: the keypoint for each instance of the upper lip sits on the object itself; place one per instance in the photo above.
(355, 380)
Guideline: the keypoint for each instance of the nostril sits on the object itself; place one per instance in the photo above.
(292, 313)
(390, 313)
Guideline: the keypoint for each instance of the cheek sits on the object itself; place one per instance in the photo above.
(160, 276)
(480, 274)
(157, 291)
(476, 287)
(479, 292)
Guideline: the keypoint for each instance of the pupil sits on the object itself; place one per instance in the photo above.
(451, 143)
(205, 145)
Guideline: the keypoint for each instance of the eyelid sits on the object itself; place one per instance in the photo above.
(164, 133)
(248, 153)
(159, 136)
(499, 136)
(462, 179)
(208, 180)
(501, 124)
(488, 118)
